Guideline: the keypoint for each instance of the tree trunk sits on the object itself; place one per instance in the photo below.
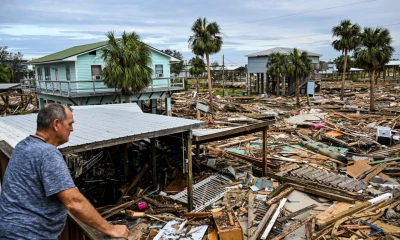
(127, 98)
(297, 85)
(371, 91)
(209, 83)
(197, 86)
(284, 86)
(277, 85)
(344, 74)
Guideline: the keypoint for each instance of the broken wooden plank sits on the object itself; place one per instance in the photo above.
(375, 172)
(293, 228)
(133, 184)
(350, 211)
(281, 195)
(250, 216)
(273, 219)
(264, 221)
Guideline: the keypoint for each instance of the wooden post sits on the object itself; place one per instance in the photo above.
(126, 161)
(262, 83)
(197, 151)
(189, 173)
(264, 165)
(154, 162)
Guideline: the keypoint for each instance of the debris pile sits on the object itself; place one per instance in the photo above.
(331, 174)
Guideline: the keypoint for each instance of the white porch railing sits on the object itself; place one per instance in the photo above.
(93, 87)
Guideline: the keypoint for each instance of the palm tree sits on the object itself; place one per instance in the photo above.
(375, 51)
(128, 63)
(276, 65)
(299, 66)
(198, 68)
(206, 40)
(349, 39)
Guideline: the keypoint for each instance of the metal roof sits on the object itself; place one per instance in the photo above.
(100, 126)
(6, 86)
(129, 107)
(77, 50)
(69, 52)
(282, 50)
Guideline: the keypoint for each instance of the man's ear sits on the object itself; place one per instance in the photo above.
(55, 124)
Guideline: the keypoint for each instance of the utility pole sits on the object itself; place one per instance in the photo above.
(223, 75)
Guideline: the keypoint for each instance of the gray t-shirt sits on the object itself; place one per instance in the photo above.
(29, 206)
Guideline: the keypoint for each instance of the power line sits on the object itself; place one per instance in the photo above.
(295, 14)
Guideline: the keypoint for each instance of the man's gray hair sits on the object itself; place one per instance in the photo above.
(49, 113)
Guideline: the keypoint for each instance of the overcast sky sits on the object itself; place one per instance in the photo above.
(38, 28)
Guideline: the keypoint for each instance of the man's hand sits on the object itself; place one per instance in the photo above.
(118, 231)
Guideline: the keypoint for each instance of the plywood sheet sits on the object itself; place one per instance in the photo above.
(358, 168)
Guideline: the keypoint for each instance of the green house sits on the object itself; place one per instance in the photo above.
(73, 77)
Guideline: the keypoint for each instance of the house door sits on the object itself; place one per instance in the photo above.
(56, 74)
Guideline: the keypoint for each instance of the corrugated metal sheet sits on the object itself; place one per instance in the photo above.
(5, 86)
(205, 132)
(129, 107)
(96, 124)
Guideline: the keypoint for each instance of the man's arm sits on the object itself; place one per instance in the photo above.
(81, 208)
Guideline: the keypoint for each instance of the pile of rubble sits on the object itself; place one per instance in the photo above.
(332, 174)
(17, 103)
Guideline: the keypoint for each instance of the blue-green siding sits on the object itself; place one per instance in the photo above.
(81, 72)
(61, 67)
(158, 58)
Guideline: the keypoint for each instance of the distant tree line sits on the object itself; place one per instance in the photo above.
(11, 68)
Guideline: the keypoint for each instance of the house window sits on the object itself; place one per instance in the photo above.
(159, 70)
(92, 52)
(39, 74)
(47, 73)
(96, 72)
(68, 73)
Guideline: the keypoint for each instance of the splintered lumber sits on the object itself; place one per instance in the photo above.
(237, 142)
(298, 212)
(281, 195)
(256, 161)
(264, 221)
(308, 231)
(118, 208)
(250, 216)
(375, 172)
(273, 219)
(227, 232)
(293, 228)
(134, 183)
(196, 214)
(156, 203)
(350, 211)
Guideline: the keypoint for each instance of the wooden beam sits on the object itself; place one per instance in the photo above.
(190, 173)
(154, 162)
(250, 215)
(240, 131)
(281, 195)
(134, 183)
(273, 219)
(375, 172)
(293, 228)
(264, 221)
(264, 156)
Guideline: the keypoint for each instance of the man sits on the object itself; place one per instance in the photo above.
(38, 187)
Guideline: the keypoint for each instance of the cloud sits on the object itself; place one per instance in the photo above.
(248, 26)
